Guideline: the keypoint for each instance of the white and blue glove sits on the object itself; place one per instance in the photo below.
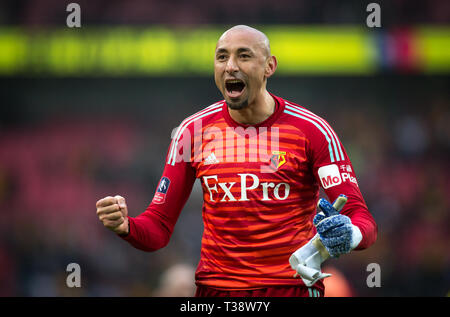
(336, 231)
(336, 235)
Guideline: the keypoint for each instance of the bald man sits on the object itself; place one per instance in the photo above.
(261, 161)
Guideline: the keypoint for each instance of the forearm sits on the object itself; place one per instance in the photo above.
(369, 230)
(151, 230)
(147, 232)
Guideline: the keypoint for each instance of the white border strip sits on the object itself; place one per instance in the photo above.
(318, 127)
(335, 140)
(207, 111)
(185, 122)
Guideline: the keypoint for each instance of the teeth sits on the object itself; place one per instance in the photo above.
(233, 81)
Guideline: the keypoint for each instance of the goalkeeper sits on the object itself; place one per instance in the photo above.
(259, 211)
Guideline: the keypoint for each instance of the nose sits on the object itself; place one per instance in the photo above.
(232, 66)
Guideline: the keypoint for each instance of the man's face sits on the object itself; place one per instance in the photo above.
(239, 68)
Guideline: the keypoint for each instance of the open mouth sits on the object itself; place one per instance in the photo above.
(234, 87)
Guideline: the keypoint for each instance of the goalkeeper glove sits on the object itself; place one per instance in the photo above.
(336, 231)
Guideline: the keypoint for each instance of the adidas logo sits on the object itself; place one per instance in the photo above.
(211, 159)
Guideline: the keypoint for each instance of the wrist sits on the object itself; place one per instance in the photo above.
(127, 232)
(356, 237)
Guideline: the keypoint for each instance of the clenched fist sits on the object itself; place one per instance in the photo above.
(113, 213)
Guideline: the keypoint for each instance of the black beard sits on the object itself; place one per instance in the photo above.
(237, 106)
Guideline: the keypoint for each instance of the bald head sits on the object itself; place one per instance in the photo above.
(255, 37)
(242, 65)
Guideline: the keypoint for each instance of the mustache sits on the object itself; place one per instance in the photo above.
(238, 76)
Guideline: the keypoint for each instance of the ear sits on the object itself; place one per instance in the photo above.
(271, 66)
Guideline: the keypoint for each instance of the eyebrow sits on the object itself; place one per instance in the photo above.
(239, 50)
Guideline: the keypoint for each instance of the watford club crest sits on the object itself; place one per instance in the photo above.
(277, 159)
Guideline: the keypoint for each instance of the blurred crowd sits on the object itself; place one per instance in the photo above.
(180, 12)
(53, 169)
(402, 163)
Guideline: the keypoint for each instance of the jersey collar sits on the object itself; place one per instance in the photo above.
(279, 104)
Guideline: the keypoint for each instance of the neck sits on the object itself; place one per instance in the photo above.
(256, 112)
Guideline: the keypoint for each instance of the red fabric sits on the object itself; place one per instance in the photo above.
(253, 219)
(281, 291)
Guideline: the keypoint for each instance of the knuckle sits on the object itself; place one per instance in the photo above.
(100, 202)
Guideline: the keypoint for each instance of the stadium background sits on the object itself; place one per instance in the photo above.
(87, 112)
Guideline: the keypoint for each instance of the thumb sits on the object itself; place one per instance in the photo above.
(122, 204)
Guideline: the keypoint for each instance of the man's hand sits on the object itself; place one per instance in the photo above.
(336, 231)
(113, 213)
(336, 235)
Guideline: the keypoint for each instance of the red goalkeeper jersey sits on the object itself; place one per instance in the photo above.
(260, 190)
